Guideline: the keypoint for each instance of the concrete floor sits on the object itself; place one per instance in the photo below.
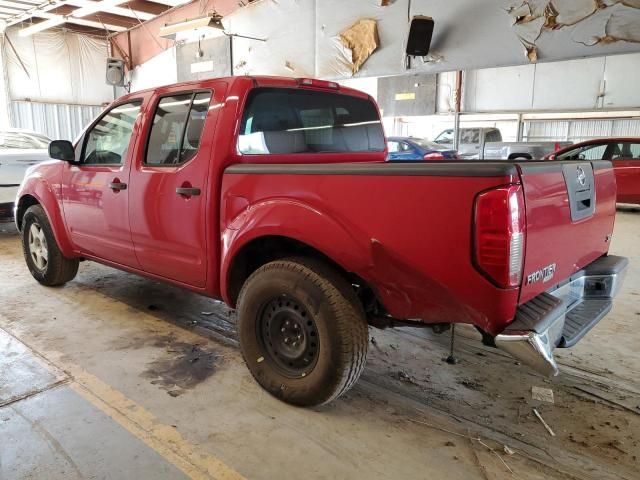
(115, 376)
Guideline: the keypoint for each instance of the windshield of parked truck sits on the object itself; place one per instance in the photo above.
(285, 121)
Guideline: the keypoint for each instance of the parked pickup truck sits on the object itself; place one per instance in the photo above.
(273, 194)
(487, 144)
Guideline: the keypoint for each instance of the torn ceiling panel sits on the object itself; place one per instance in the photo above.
(562, 13)
(360, 41)
(594, 21)
(623, 26)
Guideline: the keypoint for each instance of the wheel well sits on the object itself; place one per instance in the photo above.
(24, 203)
(515, 156)
(263, 250)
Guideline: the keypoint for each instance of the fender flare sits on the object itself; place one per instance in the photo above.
(297, 221)
(44, 194)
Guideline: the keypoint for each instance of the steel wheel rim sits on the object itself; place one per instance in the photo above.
(38, 250)
(289, 336)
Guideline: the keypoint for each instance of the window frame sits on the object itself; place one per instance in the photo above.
(155, 105)
(87, 132)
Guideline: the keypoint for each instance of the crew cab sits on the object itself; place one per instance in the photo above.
(273, 194)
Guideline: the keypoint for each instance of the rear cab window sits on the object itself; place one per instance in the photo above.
(292, 121)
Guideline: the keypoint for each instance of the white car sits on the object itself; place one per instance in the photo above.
(19, 149)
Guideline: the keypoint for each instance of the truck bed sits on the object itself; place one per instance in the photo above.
(407, 228)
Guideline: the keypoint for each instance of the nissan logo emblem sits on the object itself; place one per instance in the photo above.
(581, 177)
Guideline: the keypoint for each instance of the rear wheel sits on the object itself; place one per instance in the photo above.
(302, 331)
(46, 262)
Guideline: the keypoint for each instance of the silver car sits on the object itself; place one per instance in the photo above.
(19, 149)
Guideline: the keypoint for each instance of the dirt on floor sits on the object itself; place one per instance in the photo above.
(143, 336)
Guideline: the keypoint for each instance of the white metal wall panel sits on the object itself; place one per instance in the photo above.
(626, 128)
(621, 81)
(580, 130)
(546, 130)
(585, 130)
(58, 122)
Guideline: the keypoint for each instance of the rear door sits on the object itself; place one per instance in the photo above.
(170, 186)
(470, 143)
(626, 164)
(570, 210)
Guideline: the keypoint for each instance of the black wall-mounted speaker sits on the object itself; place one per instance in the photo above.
(115, 72)
(420, 34)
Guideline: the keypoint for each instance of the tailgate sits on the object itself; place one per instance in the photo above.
(570, 211)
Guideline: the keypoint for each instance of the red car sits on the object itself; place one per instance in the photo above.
(623, 152)
(274, 195)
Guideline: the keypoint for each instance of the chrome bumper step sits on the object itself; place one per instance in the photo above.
(563, 315)
(583, 318)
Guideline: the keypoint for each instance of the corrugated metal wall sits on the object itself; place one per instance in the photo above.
(579, 130)
(58, 122)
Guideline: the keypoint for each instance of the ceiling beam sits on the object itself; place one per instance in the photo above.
(36, 8)
(10, 10)
(67, 11)
(121, 11)
(57, 20)
(16, 5)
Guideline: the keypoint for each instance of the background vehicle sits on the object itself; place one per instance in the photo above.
(280, 202)
(19, 149)
(410, 148)
(487, 144)
(623, 152)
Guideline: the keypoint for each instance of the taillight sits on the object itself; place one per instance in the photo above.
(433, 156)
(500, 234)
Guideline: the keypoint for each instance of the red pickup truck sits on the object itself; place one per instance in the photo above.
(274, 195)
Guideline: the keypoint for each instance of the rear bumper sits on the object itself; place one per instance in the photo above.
(562, 316)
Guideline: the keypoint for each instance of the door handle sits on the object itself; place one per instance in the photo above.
(117, 185)
(188, 191)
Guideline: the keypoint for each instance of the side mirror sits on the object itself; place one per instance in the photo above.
(62, 150)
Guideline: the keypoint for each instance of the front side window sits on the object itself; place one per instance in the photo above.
(281, 121)
(590, 152)
(108, 141)
(177, 128)
(493, 136)
(445, 137)
(393, 147)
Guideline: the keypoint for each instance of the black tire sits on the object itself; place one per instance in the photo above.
(57, 269)
(336, 344)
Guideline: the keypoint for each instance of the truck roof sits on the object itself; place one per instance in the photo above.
(258, 81)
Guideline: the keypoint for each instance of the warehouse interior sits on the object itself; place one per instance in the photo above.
(133, 373)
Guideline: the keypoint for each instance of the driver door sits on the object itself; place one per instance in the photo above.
(95, 194)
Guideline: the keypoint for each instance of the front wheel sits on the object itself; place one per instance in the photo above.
(46, 262)
(302, 331)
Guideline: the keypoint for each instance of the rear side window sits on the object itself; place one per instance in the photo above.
(177, 128)
(281, 121)
(470, 135)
